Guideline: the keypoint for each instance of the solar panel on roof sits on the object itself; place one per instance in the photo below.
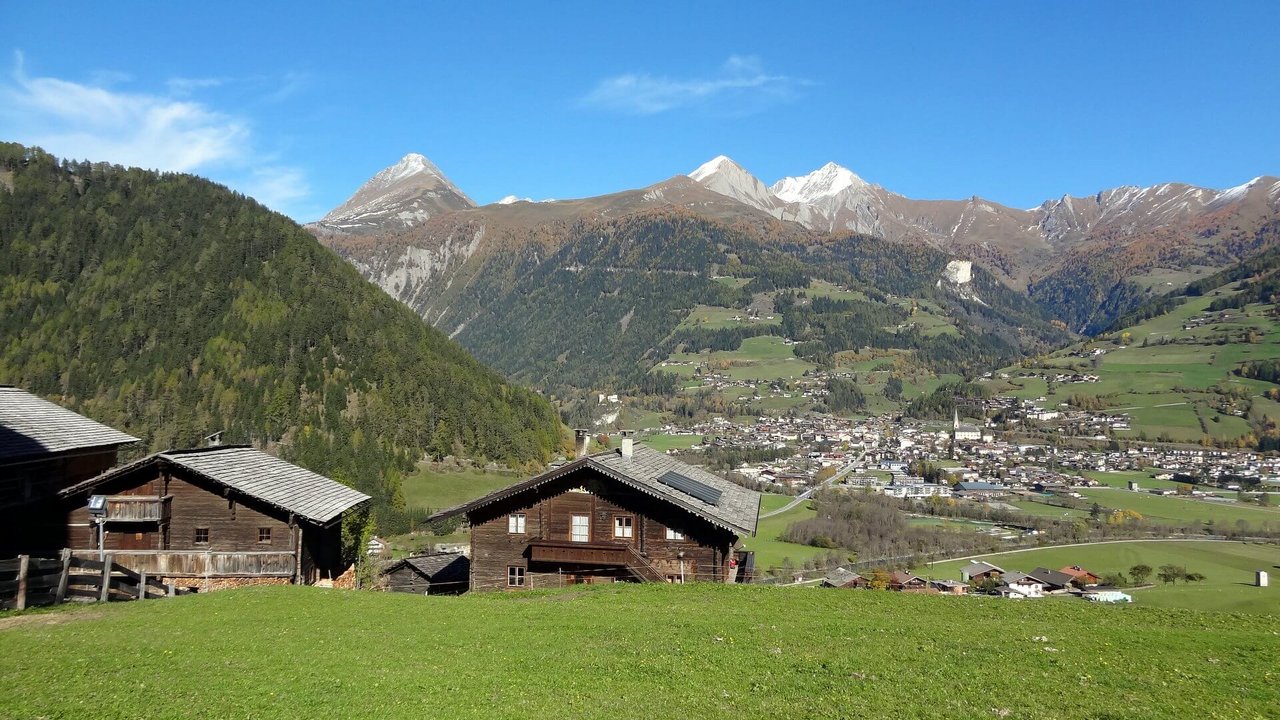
(689, 486)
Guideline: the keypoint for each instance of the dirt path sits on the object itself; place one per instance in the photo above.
(48, 618)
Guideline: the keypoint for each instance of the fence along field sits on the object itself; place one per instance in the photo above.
(34, 581)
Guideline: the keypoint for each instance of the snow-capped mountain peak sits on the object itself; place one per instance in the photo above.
(402, 195)
(827, 181)
(719, 163)
(727, 177)
(409, 165)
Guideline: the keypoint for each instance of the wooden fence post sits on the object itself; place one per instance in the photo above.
(106, 578)
(21, 600)
(142, 585)
(66, 575)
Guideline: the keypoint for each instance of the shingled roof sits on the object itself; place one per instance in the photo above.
(254, 473)
(736, 508)
(441, 568)
(31, 426)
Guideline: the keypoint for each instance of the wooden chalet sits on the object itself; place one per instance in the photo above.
(842, 578)
(1052, 580)
(1019, 585)
(1081, 577)
(439, 574)
(906, 582)
(45, 448)
(230, 514)
(949, 587)
(627, 515)
(980, 571)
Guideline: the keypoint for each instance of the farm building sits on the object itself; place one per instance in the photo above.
(439, 574)
(979, 571)
(222, 516)
(842, 578)
(906, 582)
(1053, 580)
(1020, 585)
(1081, 576)
(950, 587)
(45, 448)
(627, 515)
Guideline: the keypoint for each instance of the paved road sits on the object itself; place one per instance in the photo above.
(1144, 407)
(1098, 542)
(812, 581)
(848, 468)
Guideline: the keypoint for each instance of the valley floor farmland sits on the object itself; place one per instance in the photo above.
(699, 651)
(1228, 568)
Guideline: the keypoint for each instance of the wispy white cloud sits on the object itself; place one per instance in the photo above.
(739, 85)
(183, 86)
(162, 131)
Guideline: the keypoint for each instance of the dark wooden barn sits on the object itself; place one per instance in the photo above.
(439, 574)
(44, 449)
(626, 515)
(223, 513)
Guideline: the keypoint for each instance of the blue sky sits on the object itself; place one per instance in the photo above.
(297, 104)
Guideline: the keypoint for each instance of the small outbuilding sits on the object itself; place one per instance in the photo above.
(437, 574)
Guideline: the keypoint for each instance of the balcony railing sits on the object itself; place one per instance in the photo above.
(595, 553)
(137, 508)
(188, 563)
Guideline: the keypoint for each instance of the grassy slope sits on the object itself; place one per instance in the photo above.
(694, 651)
(1229, 568)
(1163, 388)
(436, 490)
(769, 550)
(664, 442)
(1176, 509)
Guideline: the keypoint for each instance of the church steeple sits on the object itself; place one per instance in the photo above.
(955, 419)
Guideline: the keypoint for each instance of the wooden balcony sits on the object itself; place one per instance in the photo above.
(190, 563)
(597, 553)
(578, 553)
(137, 508)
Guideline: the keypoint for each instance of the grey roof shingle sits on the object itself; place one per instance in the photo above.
(272, 480)
(979, 567)
(31, 426)
(840, 577)
(1051, 577)
(737, 508)
(439, 568)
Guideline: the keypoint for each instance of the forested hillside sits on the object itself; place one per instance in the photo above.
(172, 308)
(599, 302)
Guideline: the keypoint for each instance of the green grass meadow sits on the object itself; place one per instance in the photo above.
(1173, 509)
(437, 490)
(769, 549)
(636, 651)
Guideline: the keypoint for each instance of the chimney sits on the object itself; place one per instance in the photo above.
(214, 440)
(628, 443)
(582, 436)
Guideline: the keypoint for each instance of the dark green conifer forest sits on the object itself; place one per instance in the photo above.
(171, 308)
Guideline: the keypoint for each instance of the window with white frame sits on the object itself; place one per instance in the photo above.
(581, 529)
(515, 523)
(515, 576)
(674, 534)
(622, 526)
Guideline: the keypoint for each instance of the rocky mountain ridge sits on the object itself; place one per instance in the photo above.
(1085, 260)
